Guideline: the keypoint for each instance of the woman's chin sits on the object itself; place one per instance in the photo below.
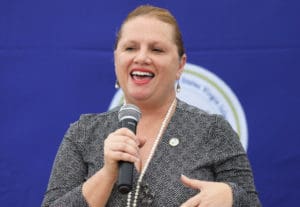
(138, 96)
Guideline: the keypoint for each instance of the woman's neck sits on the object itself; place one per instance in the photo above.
(156, 114)
(154, 109)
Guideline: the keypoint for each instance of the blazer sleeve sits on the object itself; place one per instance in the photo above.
(68, 172)
(232, 165)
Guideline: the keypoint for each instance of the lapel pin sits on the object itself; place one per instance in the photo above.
(174, 142)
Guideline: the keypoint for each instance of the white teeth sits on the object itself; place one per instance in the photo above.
(140, 73)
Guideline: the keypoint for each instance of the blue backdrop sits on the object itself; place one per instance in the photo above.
(56, 62)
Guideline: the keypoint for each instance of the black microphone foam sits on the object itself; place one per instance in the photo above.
(129, 115)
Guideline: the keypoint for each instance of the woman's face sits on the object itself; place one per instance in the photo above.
(146, 60)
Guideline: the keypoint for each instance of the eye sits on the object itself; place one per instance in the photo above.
(158, 50)
(129, 48)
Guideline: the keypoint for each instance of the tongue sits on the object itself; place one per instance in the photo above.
(141, 79)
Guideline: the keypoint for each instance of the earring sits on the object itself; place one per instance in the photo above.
(178, 87)
(117, 85)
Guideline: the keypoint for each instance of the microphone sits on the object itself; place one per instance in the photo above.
(129, 115)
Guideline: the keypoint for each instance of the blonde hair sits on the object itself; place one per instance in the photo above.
(161, 14)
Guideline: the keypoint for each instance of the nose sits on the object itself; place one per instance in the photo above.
(142, 57)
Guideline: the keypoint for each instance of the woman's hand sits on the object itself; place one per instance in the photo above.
(121, 145)
(212, 194)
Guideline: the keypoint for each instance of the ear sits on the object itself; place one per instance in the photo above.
(182, 62)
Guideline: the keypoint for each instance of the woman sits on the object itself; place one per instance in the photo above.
(182, 155)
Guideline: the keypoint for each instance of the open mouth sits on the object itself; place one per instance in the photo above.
(141, 77)
(141, 74)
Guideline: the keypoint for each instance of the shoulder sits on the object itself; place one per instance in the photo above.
(194, 113)
(93, 125)
(219, 136)
(199, 120)
(88, 120)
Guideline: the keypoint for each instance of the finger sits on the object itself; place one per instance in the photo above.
(124, 147)
(192, 202)
(117, 141)
(121, 156)
(123, 139)
(116, 150)
(128, 133)
(138, 165)
(192, 183)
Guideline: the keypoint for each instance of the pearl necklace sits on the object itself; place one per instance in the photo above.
(161, 130)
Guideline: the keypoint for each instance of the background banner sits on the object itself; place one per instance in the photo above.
(56, 62)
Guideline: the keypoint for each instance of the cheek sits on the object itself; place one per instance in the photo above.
(174, 70)
(123, 61)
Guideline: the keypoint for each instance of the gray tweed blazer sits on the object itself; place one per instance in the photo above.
(208, 149)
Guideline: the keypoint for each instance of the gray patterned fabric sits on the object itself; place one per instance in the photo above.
(208, 150)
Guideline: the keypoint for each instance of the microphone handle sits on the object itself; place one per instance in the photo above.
(125, 176)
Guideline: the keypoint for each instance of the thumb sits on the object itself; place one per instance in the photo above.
(192, 183)
(138, 165)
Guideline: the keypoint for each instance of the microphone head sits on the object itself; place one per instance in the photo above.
(129, 111)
